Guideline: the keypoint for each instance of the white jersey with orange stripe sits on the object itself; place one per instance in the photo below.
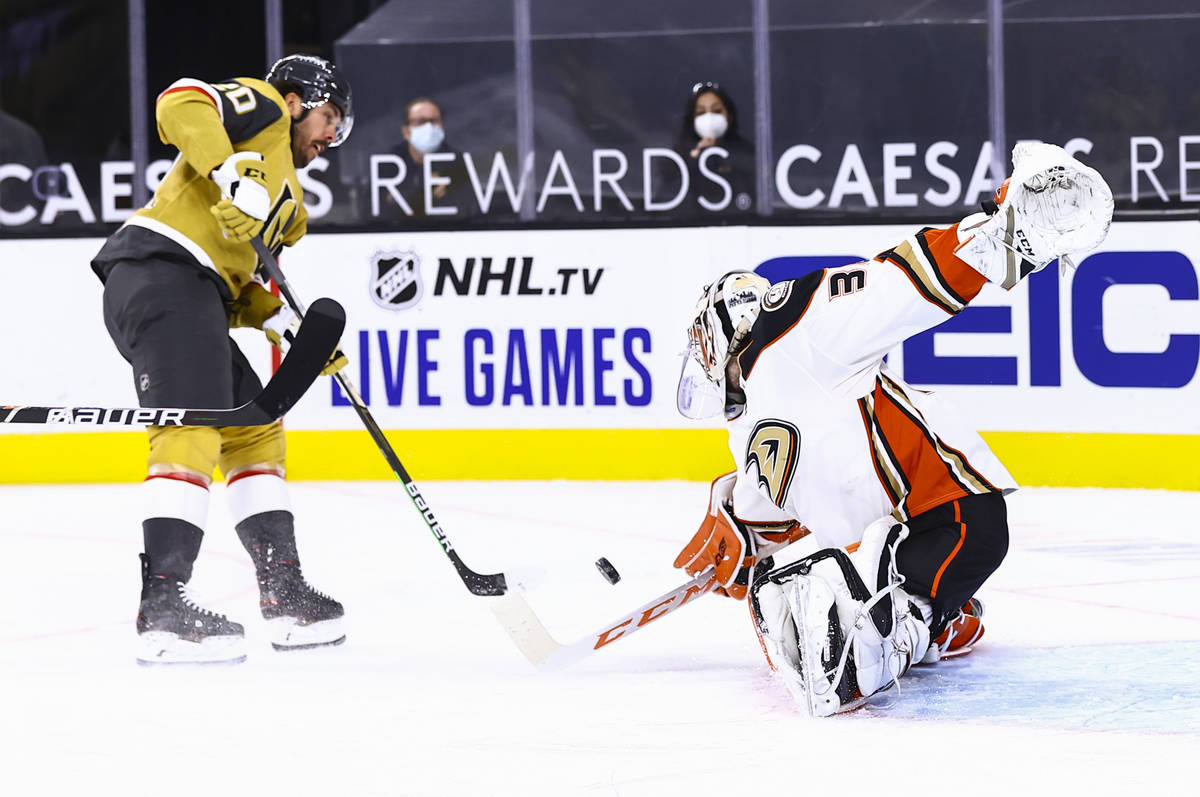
(831, 437)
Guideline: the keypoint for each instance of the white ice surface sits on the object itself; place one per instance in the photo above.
(1088, 681)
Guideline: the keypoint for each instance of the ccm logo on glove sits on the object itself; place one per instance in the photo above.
(245, 202)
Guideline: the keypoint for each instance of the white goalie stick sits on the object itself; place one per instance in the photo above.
(476, 583)
(545, 652)
(316, 339)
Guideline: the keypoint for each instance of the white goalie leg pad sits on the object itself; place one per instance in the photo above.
(897, 635)
(776, 628)
(1054, 207)
(801, 613)
(905, 639)
(908, 643)
(838, 628)
(828, 683)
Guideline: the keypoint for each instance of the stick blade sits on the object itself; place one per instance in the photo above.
(318, 337)
(489, 584)
(316, 340)
(523, 626)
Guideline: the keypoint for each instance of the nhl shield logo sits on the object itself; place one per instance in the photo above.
(396, 279)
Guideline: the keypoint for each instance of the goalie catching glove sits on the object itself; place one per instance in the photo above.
(245, 202)
(1052, 207)
(726, 544)
(281, 331)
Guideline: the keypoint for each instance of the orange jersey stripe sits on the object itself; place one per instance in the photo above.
(939, 246)
(868, 424)
(906, 268)
(929, 480)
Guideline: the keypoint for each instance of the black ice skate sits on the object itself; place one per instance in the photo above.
(172, 629)
(297, 615)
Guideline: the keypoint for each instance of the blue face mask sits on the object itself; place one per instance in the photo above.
(427, 137)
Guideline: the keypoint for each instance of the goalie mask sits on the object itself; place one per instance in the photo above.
(720, 329)
(316, 81)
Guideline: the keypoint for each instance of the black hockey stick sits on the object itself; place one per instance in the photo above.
(477, 583)
(316, 339)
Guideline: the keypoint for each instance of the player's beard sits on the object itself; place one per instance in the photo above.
(299, 159)
(300, 156)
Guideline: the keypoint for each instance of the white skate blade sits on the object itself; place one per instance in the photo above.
(163, 647)
(287, 634)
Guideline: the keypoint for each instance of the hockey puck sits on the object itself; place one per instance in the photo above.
(607, 570)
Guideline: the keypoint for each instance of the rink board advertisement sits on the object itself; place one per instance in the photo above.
(554, 354)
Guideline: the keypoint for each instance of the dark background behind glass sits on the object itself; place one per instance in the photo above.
(617, 76)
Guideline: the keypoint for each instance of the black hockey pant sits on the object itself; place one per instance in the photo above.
(951, 550)
(169, 321)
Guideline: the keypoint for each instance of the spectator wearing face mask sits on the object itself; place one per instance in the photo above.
(429, 159)
(720, 161)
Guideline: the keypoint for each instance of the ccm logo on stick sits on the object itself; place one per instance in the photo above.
(660, 609)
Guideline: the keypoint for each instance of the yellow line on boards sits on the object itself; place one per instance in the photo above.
(1065, 459)
(580, 454)
(1034, 458)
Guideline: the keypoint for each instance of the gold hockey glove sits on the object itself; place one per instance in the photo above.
(281, 328)
(245, 202)
(253, 306)
(281, 331)
(337, 361)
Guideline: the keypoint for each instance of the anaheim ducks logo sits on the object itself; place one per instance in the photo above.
(396, 279)
(773, 448)
(777, 296)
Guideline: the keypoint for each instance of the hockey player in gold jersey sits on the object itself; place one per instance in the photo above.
(177, 276)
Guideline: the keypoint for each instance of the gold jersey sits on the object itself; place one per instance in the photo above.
(208, 122)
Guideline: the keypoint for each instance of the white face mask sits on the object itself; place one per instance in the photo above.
(427, 137)
(711, 125)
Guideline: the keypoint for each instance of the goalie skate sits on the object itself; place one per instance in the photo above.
(960, 634)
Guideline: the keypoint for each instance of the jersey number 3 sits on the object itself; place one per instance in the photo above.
(773, 448)
(842, 283)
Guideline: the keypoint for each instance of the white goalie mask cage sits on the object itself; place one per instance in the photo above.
(724, 314)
